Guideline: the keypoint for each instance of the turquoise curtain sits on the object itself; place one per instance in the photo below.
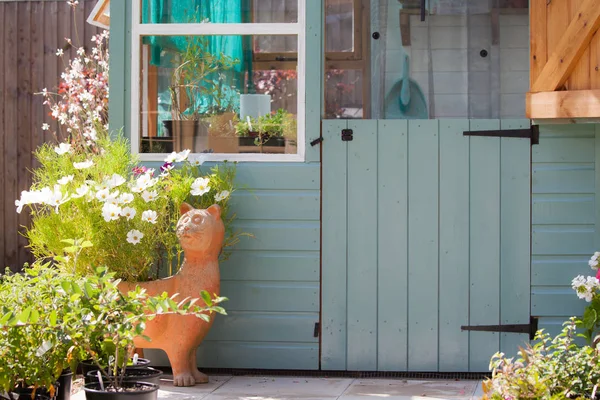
(164, 49)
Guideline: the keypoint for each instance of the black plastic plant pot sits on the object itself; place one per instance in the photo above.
(25, 394)
(65, 383)
(88, 365)
(129, 391)
(139, 374)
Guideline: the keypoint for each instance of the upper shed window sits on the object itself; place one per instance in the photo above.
(457, 59)
(219, 76)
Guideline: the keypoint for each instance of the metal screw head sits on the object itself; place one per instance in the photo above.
(376, 35)
(483, 53)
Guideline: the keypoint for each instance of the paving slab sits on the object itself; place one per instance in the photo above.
(277, 387)
(409, 389)
(169, 392)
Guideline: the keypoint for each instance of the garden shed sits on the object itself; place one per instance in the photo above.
(420, 177)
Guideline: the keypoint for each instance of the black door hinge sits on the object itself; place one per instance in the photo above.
(532, 133)
(530, 328)
(317, 329)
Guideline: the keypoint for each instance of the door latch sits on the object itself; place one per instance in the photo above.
(347, 135)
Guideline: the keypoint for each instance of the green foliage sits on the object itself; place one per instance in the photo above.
(552, 368)
(115, 173)
(50, 318)
(200, 76)
(278, 124)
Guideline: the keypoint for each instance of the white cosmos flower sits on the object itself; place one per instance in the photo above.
(115, 181)
(171, 157)
(113, 198)
(200, 186)
(149, 196)
(149, 216)
(134, 236)
(33, 197)
(222, 196)
(81, 191)
(103, 195)
(128, 212)
(63, 148)
(57, 198)
(110, 212)
(125, 198)
(45, 127)
(582, 288)
(83, 165)
(594, 260)
(182, 156)
(137, 187)
(197, 160)
(65, 179)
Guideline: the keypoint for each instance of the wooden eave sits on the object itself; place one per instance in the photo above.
(100, 15)
(564, 63)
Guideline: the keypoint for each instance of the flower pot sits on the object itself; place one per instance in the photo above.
(25, 394)
(273, 144)
(138, 374)
(187, 134)
(65, 383)
(88, 365)
(133, 391)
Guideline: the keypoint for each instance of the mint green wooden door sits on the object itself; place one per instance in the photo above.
(424, 230)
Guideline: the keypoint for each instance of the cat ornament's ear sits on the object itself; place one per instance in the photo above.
(214, 210)
(185, 208)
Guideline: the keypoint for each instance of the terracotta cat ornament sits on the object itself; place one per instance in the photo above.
(201, 234)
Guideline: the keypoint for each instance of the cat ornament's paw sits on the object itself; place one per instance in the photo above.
(184, 379)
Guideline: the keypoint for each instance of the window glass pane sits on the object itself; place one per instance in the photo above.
(207, 94)
(276, 44)
(467, 59)
(344, 94)
(219, 11)
(339, 25)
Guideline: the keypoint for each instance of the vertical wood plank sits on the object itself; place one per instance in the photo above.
(333, 247)
(10, 129)
(4, 203)
(37, 77)
(362, 246)
(538, 54)
(51, 61)
(392, 233)
(314, 86)
(595, 61)
(484, 234)
(23, 132)
(423, 180)
(454, 245)
(515, 235)
(580, 77)
(557, 22)
(118, 55)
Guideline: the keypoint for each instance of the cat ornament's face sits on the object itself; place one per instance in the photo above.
(200, 231)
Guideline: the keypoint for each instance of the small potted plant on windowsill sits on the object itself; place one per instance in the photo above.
(266, 131)
(199, 90)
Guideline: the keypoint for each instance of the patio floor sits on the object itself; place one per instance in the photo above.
(307, 388)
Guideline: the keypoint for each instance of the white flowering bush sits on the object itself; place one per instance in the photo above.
(89, 186)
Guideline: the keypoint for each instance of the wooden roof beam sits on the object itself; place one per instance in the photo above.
(570, 48)
(563, 104)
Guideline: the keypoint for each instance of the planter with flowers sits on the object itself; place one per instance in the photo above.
(269, 132)
(88, 185)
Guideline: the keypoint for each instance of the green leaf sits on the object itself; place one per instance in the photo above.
(34, 317)
(203, 317)
(86, 244)
(52, 318)
(71, 249)
(5, 318)
(206, 298)
(24, 316)
(68, 241)
(590, 317)
(66, 286)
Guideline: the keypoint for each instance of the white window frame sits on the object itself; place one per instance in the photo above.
(138, 30)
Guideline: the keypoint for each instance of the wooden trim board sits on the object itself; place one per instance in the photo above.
(563, 104)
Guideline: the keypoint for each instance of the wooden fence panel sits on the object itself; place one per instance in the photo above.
(30, 33)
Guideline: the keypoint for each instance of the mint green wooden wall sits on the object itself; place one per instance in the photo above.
(565, 181)
(273, 280)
